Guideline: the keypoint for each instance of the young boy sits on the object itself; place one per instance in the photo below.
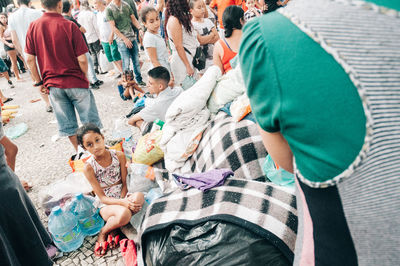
(156, 108)
(252, 11)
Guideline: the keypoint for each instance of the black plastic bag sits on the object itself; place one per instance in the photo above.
(209, 243)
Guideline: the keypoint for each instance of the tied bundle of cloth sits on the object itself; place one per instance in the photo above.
(203, 181)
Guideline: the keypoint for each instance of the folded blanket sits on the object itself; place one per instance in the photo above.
(264, 208)
(185, 119)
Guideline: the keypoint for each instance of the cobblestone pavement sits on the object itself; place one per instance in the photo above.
(42, 161)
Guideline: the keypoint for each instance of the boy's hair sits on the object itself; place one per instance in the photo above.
(146, 10)
(66, 6)
(50, 4)
(232, 19)
(23, 2)
(86, 128)
(160, 73)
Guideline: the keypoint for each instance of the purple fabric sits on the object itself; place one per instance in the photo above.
(204, 181)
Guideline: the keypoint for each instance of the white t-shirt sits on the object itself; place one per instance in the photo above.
(88, 20)
(20, 20)
(204, 28)
(103, 26)
(157, 108)
(156, 41)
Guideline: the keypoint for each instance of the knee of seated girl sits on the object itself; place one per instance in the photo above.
(137, 198)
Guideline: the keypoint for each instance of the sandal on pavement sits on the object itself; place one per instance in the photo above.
(8, 100)
(113, 242)
(100, 249)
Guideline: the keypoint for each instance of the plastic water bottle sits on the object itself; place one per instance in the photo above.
(64, 230)
(153, 194)
(87, 214)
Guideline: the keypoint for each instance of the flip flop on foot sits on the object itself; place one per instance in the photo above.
(128, 250)
(8, 100)
(100, 249)
(113, 242)
(26, 186)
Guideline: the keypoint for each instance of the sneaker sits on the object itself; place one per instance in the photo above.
(141, 83)
(98, 83)
(10, 84)
(49, 109)
(93, 86)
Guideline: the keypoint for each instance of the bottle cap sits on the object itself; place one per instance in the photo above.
(56, 210)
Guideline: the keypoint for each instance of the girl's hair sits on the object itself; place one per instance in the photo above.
(128, 73)
(192, 2)
(272, 6)
(232, 19)
(145, 11)
(3, 14)
(83, 130)
(179, 9)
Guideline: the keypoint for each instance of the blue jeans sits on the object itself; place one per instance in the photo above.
(91, 73)
(65, 101)
(130, 53)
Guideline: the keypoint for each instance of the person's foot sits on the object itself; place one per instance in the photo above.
(100, 248)
(20, 80)
(98, 83)
(96, 71)
(49, 109)
(93, 86)
(10, 84)
(142, 47)
(26, 186)
(141, 83)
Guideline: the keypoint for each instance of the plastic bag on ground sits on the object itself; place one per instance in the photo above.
(103, 62)
(276, 174)
(147, 150)
(141, 178)
(16, 131)
(209, 243)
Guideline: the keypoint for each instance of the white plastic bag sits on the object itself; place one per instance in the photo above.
(103, 62)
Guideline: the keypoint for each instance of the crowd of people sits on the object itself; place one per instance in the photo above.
(61, 47)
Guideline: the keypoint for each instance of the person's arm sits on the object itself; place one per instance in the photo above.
(37, 79)
(83, 63)
(278, 148)
(135, 22)
(90, 176)
(114, 29)
(175, 28)
(217, 55)
(134, 120)
(96, 28)
(216, 35)
(152, 53)
(3, 40)
(124, 172)
(15, 41)
(160, 5)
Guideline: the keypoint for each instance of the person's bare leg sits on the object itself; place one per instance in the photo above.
(2, 97)
(74, 141)
(118, 64)
(14, 64)
(6, 75)
(115, 216)
(45, 98)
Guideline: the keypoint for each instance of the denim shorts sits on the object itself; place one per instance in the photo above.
(66, 101)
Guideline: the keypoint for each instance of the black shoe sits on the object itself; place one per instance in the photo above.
(96, 71)
(98, 83)
(93, 86)
(141, 83)
(142, 48)
(49, 109)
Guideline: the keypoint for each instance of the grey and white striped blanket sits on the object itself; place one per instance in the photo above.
(263, 208)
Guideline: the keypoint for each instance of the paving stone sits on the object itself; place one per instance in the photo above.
(89, 260)
(66, 262)
(84, 263)
(81, 256)
(88, 253)
(87, 245)
(76, 261)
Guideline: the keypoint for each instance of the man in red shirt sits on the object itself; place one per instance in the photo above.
(60, 49)
(221, 5)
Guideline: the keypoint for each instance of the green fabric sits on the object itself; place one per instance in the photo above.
(111, 51)
(133, 7)
(394, 4)
(297, 88)
(122, 18)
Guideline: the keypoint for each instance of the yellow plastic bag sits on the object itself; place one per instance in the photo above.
(78, 165)
(147, 150)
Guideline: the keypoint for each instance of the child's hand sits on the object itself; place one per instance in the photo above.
(128, 204)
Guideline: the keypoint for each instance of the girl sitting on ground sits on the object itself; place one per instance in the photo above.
(106, 171)
(127, 86)
(227, 48)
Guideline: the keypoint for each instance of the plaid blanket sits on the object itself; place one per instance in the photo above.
(227, 144)
(264, 208)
